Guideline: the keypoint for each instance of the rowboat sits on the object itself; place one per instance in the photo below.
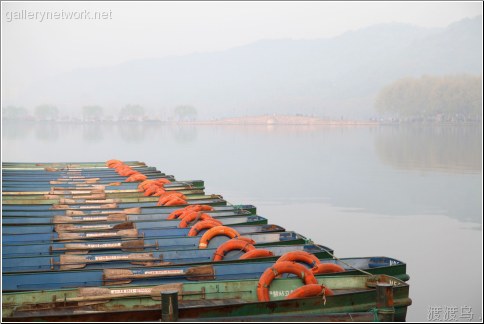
(39, 204)
(52, 172)
(180, 274)
(65, 225)
(145, 232)
(95, 193)
(73, 189)
(192, 200)
(204, 299)
(131, 215)
(42, 165)
(75, 185)
(101, 259)
(29, 178)
(67, 169)
(85, 184)
(81, 216)
(191, 194)
(104, 195)
(125, 238)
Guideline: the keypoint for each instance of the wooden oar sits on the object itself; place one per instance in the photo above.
(128, 233)
(70, 261)
(125, 276)
(57, 191)
(126, 211)
(117, 217)
(101, 195)
(74, 181)
(97, 294)
(61, 228)
(105, 206)
(70, 201)
(84, 248)
(61, 191)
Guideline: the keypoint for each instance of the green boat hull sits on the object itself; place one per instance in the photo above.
(190, 194)
(208, 299)
(9, 198)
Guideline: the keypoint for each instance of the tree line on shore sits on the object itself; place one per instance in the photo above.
(94, 113)
(451, 98)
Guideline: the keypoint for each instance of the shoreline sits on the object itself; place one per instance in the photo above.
(264, 120)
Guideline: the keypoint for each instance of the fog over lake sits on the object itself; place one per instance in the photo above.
(413, 193)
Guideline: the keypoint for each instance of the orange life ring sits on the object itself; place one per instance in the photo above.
(180, 212)
(193, 216)
(113, 163)
(125, 171)
(190, 213)
(170, 196)
(120, 167)
(257, 253)
(216, 231)
(327, 268)
(205, 224)
(202, 207)
(231, 245)
(279, 268)
(300, 256)
(162, 181)
(160, 192)
(151, 189)
(175, 214)
(197, 208)
(175, 201)
(311, 290)
(144, 185)
(136, 177)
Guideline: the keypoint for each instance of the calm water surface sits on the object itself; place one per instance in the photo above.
(412, 193)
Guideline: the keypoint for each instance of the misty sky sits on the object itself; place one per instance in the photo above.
(34, 49)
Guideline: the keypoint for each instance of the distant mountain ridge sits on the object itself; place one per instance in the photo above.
(329, 77)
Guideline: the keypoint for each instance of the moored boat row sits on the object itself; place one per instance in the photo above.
(103, 241)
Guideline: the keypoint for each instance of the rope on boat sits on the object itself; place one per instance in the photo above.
(375, 314)
(349, 265)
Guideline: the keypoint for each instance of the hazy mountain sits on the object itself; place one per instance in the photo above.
(326, 77)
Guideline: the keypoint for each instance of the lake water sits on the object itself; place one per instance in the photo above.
(409, 192)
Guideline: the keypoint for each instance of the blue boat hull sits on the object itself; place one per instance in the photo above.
(46, 216)
(47, 238)
(177, 257)
(151, 244)
(96, 278)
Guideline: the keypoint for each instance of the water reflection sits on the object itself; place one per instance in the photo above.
(444, 148)
(131, 131)
(382, 170)
(15, 130)
(184, 134)
(92, 132)
(47, 131)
